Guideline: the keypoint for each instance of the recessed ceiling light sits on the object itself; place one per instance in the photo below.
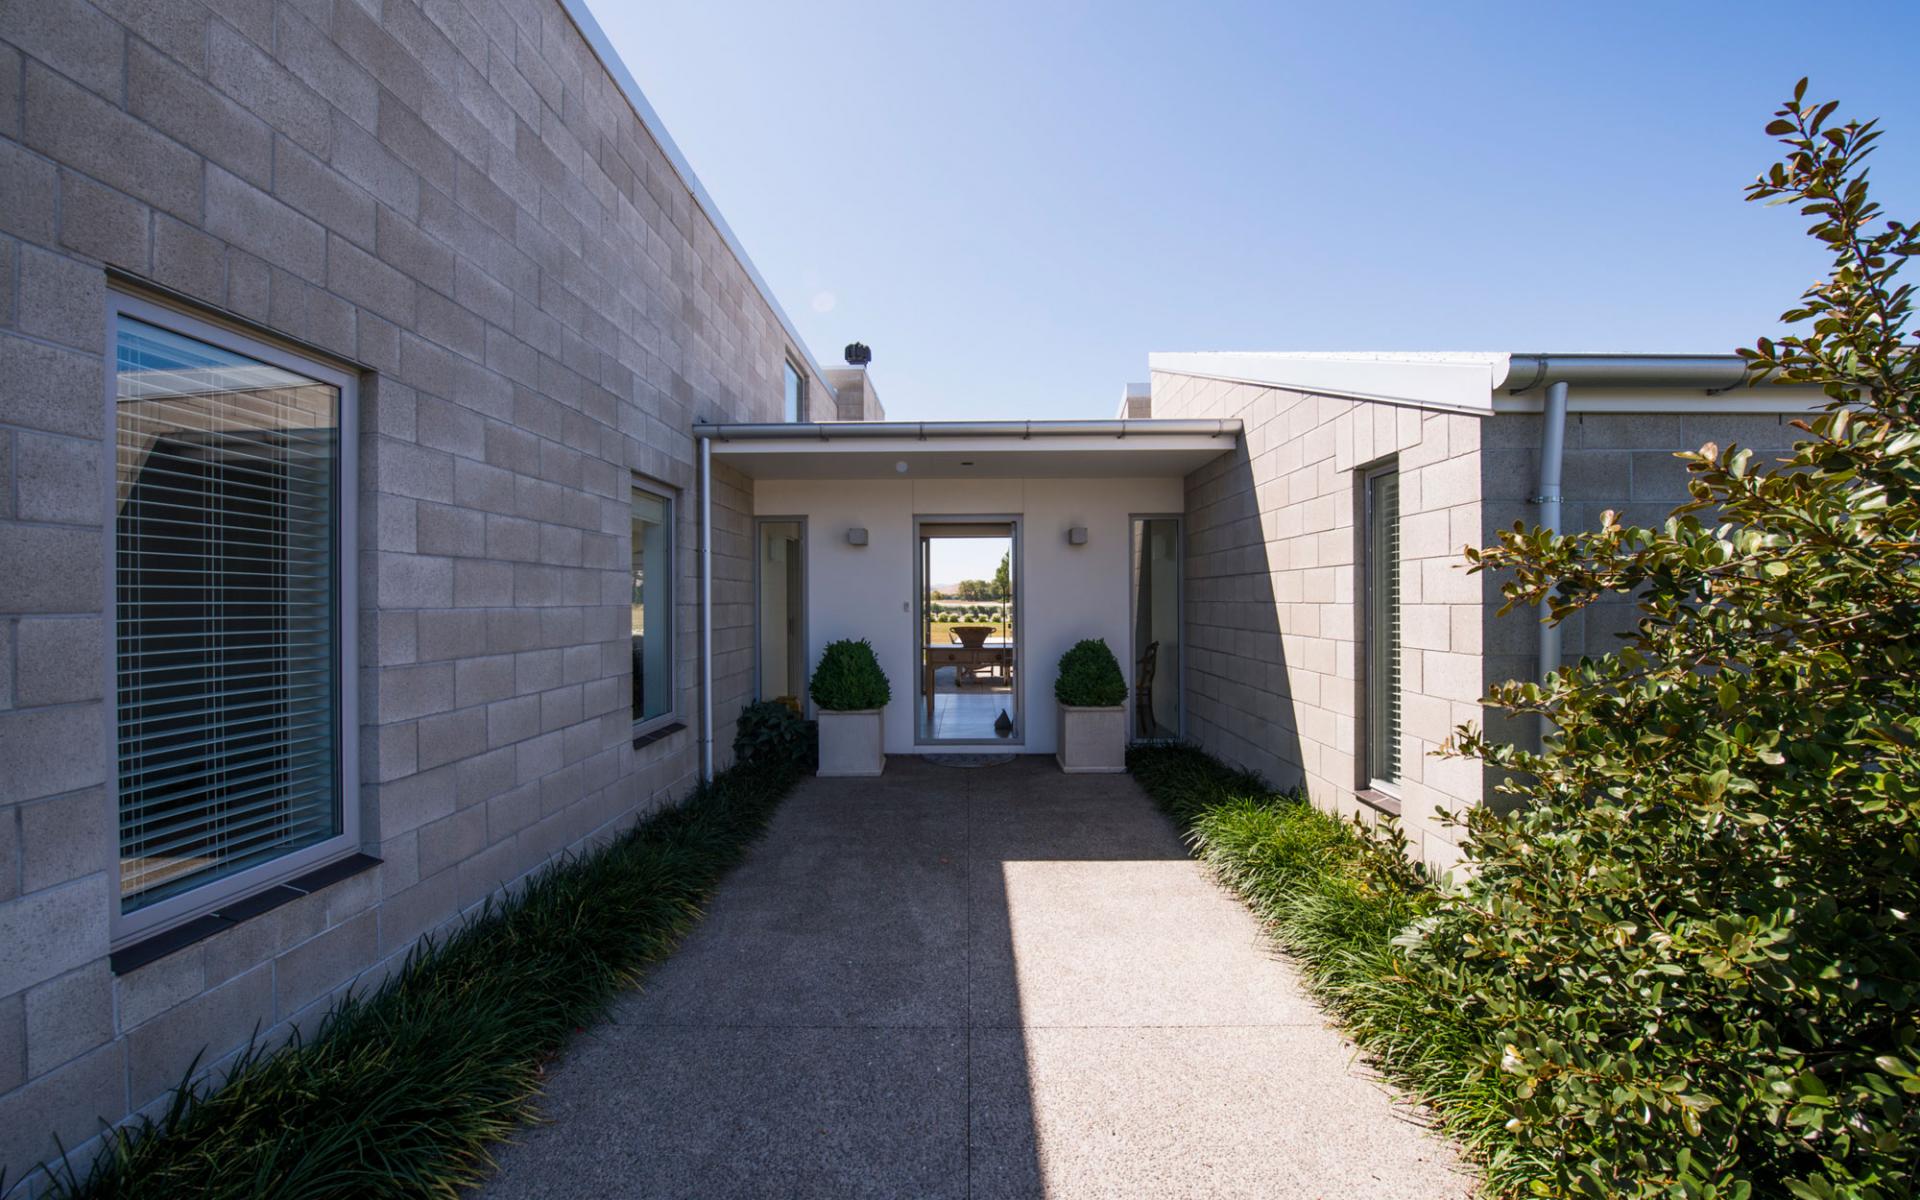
(966, 462)
(901, 466)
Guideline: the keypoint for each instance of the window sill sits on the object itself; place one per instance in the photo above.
(656, 733)
(1379, 801)
(158, 945)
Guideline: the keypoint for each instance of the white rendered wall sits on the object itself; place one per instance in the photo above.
(1065, 592)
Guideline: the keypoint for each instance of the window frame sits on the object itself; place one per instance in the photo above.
(759, 616)
(674, 714)
(799, 414)
(1134, 649)
(1369, 653)
(124, 927)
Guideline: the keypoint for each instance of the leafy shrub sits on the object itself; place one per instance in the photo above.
(773, 733)
(849, 678)
(1090, 677)
(1693, 942)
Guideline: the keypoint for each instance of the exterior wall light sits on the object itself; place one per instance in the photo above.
(1077, 535)
(856, 536)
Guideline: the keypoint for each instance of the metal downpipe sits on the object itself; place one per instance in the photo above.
(706, 610)
(1553, 444)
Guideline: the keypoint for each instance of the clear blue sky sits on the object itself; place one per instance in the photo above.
(1014, 203)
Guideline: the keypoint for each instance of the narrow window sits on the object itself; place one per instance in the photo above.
(231, 627)
(1383, 628)
(652, 606)
(796, 396)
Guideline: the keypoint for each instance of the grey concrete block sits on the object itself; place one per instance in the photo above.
(173, 99)
(359, 156)
(510, 721)
(478, 583)
(452, 839)
(52, 931)
(362, 279)
(412, 580)
(406, 693)
(451, 737)
(79, 130)
(178, 31)
(58, 477)
(69, 1105)
(59, 660)
(415, 253)
(317, 966)
(312, 55)
(319, 191)
(51, 750)
(445, 529)
(29, 190)
(447, 426)
(101, 223)
(210, 1025)
(65, 838)
(13, 1041)
(74, 38)
(483, 680)
(244, 216)
(241, 69)
(62, 299)
(68, 1016)
(146, 992)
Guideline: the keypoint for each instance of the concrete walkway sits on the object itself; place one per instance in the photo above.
(998, 982)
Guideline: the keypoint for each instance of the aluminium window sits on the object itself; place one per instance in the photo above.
(231, 604)
(652, 608)
(1382, 616)
(796, 393)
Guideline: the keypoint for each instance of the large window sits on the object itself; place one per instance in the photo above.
(1383, 628)
(796, 393)
(233, 632)
(652, 607)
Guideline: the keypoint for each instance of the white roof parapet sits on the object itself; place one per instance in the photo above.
(596, 38)
(1489, 382)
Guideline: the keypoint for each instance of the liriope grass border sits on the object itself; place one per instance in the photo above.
(1336, 905)
(402, 1090)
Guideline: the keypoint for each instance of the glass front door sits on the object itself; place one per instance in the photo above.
(967, 580)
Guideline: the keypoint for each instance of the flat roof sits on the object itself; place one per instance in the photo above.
(972, 449)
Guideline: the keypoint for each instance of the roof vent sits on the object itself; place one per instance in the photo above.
(858, 354)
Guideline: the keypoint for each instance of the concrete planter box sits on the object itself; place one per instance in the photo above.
(1093, 741)
(850, 742)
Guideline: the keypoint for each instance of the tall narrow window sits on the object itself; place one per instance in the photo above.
(796, 394)
(652, 606)
(1156, 628)
(1383, 628)
(230, 645)
(780, 564)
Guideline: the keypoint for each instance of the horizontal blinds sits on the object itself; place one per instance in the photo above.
(226, 513)
(1383, 626)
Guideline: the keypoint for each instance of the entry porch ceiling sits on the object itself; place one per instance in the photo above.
(972, 449)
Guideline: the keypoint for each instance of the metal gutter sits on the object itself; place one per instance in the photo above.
(1708, 372)
(596, 39)
(706, 611)
(837, 431)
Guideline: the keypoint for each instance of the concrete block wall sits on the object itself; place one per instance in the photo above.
(1619, 461)
(1273, 677)
(458, 200)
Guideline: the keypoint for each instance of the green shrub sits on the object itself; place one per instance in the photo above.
(849, 678)
(1693, 940)
(773, 733)
(400, 1090)
(1090, 677)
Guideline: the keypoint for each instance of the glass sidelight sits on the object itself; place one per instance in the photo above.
(780, 597)
(968, 585)
(1156, 628)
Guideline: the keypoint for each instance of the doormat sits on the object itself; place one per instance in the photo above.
(968, 760)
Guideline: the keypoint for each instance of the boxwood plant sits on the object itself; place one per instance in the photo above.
(849, 678)
(1090, 677)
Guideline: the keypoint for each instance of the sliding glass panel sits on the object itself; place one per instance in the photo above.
(652, 624)
(1156, 628)
(225, 561)
(1383, 628)
(783, 633)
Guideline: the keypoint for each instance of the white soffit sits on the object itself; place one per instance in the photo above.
(1138, 456)
(1458, 382)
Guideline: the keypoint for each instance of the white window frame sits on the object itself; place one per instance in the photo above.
(675, 713)
(1369, 652)
(799, 413)
(216, 893)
